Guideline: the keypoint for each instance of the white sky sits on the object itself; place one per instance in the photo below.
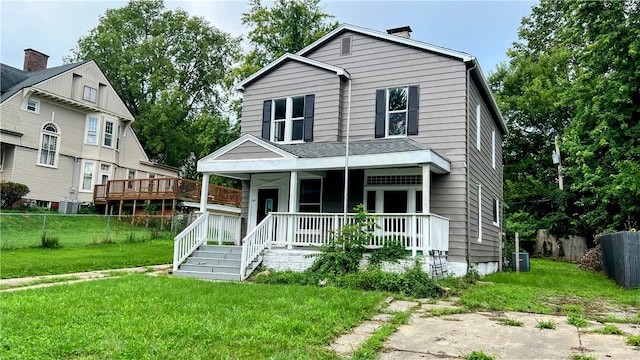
(484, 29)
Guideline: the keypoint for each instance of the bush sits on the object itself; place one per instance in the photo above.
(11, 192)
(393, 250)
(49, 242)
(592, 260)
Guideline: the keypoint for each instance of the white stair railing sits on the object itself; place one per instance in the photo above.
(255, 243)
(207, 227)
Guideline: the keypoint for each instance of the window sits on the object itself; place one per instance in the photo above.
(33, 105)
(131, 174)
(49, 145)
(3, 151)
(397, 111)
(345, 45)
(91, 136)
(478, 125)
(87, 176)
(493, 149)
(495, 209)
(90, 94)
(288, 119)
(108, 134)
(479, 213)
(310, 195)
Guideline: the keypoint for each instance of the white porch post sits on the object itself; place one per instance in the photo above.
(293, 201)
(204, 192)
(426, 208)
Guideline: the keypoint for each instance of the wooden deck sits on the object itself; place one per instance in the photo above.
(163, 189)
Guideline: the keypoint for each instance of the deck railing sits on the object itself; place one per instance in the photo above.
(417, 232)
(207, 227)
(164, 188)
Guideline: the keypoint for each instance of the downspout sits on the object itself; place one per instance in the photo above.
(468, 249)
(346, 157)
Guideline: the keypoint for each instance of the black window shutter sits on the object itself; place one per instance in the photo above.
(380, 112)
(412, 123)
(266, 119)
(309, 101)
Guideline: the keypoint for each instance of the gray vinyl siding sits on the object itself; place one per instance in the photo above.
(482, 172)
(295, 79)
(375, 64)
(248, 150)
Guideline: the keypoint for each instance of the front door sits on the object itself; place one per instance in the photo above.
(267, 202)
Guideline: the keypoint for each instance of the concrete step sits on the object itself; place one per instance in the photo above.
(216, 255)
(212, 261)
(222, 248)
(208, 275)
(210, 268)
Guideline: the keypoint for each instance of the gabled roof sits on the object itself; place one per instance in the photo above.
(366, 147)
(282, 59)
(17, 80)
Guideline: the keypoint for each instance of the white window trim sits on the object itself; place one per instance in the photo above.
(479, 213)
(3, 151)
(105, 172)
(300, 180)
(496, 203)
(478, 125)
(37, 107)
(57, 135)
(493, 149)
(93, 176)
(86, 129)
(113, 132)
(387, 112)
(288, 120)
(92, 91)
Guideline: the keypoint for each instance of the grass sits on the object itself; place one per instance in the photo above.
(38, 261)
(577, 320)
(40, 281)
(633, 340)
(24, 230)
(445, 311)
(609, 330)
(582, 357)
(509, 322)
(546, 325)
(137, 316)
(478, 355)
(551, 288)
(371, 346)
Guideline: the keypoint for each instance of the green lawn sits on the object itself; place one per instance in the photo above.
(25, 230)
(552, 287)
(144, 317)
(39, 261)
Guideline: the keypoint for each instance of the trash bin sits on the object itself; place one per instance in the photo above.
(524, 261)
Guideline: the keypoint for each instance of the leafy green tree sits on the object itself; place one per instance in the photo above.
(168, 67)
(285, 27)
(11, 192)
(573, 74)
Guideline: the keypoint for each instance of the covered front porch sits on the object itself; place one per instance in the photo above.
(295, 195)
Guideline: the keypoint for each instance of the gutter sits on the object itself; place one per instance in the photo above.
(468, 185)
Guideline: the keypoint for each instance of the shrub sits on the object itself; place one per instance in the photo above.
(393, 250)
(49, 242)
(11, 192)
(592, 260)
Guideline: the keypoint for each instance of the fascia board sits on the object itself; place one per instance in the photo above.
(243, 139)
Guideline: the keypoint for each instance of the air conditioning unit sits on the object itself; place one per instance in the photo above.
(68, 207)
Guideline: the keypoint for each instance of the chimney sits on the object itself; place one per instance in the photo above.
(34, 60)
(404, 32)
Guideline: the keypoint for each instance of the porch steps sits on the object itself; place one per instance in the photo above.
(213, 262)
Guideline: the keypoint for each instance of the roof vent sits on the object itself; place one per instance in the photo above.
(404, 32)
(34, 60)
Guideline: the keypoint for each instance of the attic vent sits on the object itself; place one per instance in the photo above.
(345, 45)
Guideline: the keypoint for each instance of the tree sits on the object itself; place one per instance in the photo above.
(287, 27)
(573, 74)
(168, 68)
(11, 192)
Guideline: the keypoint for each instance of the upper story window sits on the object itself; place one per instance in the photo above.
(33, 106)
(288, 119)
(478, 125)
(493, 149)
(495, 211)
(90, 94)
(91, 135)
(109, 127)
(397, 111)
(49, 144)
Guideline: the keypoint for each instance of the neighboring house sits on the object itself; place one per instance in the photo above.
(424, 137)
(64, 130)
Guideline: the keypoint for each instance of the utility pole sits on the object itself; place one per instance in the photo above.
(557, 160)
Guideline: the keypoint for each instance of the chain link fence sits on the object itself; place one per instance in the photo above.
(23, 230)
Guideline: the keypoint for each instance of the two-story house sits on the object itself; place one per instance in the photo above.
(65, 129)
(408, 129)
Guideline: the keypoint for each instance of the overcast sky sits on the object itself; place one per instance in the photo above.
(484, 29)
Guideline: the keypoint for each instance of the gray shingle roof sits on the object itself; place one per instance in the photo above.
(13, 80)
(378, 146)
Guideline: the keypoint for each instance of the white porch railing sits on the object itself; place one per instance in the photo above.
(255, 242)
(417, 232)
(207, 227)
